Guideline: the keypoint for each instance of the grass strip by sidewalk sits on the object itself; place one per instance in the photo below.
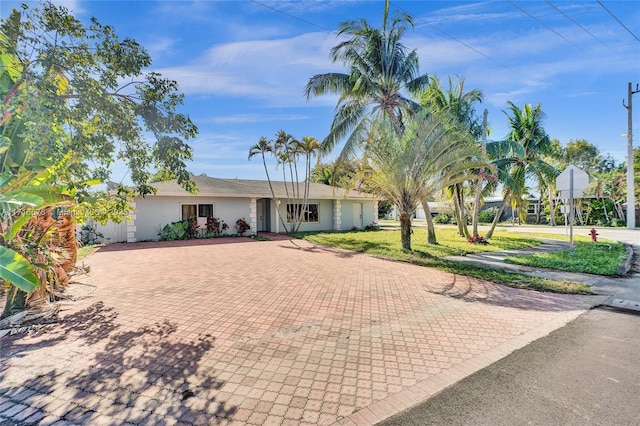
(386, 244)
(591, 258)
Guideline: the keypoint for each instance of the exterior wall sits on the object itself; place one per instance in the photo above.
(232, 209)
(152, 213)
(369, 214)
(325, 216)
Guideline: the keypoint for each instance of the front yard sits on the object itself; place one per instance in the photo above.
(386, 244)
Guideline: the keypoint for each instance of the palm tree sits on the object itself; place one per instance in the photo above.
(263, 147)
(308, 147)
(409, 167)
(460, 105)
(288, 152)
(521, 155)
(382, 71)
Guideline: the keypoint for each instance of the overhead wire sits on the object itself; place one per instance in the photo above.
(450, 36)
(619, 21)
(539, 21)
(574, 22)
(293, 16)
(398, 7)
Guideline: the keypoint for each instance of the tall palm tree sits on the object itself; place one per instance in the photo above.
(521, 155)
(263, 147)
(409, 167)
(288, 152)
(308, 147)
(460, 105)
(382, 76)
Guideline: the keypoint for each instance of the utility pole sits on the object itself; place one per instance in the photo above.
(631, 199)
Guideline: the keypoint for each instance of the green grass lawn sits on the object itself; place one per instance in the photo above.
(387, 244)
(449, 243)
(588, 257)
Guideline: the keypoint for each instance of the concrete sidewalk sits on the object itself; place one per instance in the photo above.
(623, 292)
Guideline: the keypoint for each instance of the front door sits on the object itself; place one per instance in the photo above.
(357, 215)
(263, 219)
(260, 212)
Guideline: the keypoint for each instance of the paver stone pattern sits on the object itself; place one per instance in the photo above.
(245, 332)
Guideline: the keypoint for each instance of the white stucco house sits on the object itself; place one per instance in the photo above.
(329, 208)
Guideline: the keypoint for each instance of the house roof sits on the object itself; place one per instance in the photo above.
(241, 188)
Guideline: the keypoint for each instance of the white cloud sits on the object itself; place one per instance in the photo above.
(160, 46)
(270, 70)
(257, 118)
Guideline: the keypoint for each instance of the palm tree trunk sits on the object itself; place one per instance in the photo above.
(552, 208)
(496, 219)
(476, 207)
(405, 231)
(604, 206)
(460, 211)
(431, 230)
(273, 194)
(476, 203)
(620, 211)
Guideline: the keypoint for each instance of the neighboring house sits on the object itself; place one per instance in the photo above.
(329, 208)
(437, 207)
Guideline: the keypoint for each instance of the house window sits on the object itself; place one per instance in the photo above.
(309, 215)
(189, 211)
(205, 210)
(532, 209)
(194, 211)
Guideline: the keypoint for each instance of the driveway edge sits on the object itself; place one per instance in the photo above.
(408, 397)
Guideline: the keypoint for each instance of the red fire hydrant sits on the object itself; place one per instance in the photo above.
(594, 235)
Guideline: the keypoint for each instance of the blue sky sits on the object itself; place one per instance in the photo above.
(243, 65)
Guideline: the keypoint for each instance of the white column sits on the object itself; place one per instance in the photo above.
(131, 225)
(253, 217)
(375, 211)
(337, 215)
(277, 216)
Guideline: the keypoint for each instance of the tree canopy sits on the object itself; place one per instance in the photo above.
(80, 89)
(382, 76)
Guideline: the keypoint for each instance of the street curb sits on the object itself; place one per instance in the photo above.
(625, 265)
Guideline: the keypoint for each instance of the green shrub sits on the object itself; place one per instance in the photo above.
(384, 209)
(445, 218)
(618, 223)
(487, 215)
(175, 231)
(89, 235)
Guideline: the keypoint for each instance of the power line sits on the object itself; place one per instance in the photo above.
(619, 21)
(451, 37)
(292, 16)
(573, 21)
(539, 21)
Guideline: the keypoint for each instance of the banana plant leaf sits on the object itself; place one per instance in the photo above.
(16, 270)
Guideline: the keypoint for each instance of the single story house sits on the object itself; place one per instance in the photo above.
(328, 208)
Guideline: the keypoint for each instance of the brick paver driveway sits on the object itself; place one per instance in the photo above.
(278, 332)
